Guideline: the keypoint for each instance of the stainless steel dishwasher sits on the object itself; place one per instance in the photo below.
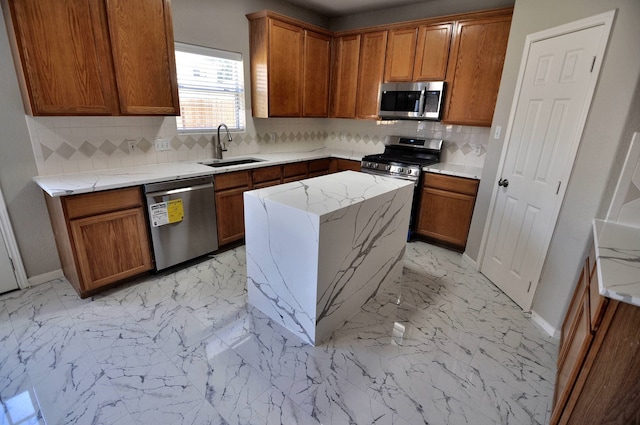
(182, 217)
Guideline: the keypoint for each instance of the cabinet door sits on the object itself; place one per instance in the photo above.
(111, 247)
(445, 216)
(317, 57)
(285, 69)
(400, 56)
(370, 73)
(574, 346)
(143, 54)
(474, 71)
(230, 215)
(432, 52)
(346, 57)
(66, 57)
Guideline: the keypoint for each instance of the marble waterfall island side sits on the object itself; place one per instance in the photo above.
(319, 249)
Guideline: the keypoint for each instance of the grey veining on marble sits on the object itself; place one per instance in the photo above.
(444, 346)
(320, 248)
(618, 258)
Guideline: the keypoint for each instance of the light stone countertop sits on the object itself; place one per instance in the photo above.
(457, 170)
(618, 258)
(115, 178)
(93, 181)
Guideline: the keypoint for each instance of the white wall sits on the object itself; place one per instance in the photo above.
(606, 136)
(25, 202)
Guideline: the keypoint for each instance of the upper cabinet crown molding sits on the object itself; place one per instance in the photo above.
(94, 57)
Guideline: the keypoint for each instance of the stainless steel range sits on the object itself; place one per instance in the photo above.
(403, 158)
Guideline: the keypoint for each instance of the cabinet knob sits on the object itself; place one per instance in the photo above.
(503, 182)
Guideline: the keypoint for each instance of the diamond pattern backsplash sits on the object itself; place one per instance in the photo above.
(74, 144)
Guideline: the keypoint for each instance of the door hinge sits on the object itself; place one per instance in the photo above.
(593, 64)
(529, 288)
(558, 189)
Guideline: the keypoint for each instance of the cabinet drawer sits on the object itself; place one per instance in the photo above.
(451, 184)
(318, 165)
(295, 169)
(88, 204)
(231, 180)
(267, 174)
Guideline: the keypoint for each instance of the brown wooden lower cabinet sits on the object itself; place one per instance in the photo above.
(598, 376)
(101, 237)
(229, 189)
(319, 167)
(446, 208)
(339, 164)
(295, 171)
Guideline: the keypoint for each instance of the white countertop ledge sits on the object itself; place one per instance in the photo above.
(457, 170)
(618, 258)
(93, 181)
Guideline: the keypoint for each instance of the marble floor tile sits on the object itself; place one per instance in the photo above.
(443, 346)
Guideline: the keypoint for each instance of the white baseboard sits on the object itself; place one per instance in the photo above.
(553, 332)
(470, 260)
(45, 277)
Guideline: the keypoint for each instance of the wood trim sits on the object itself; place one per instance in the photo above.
(259, 59)
(490, 13)
(62, 234)
(304, 25)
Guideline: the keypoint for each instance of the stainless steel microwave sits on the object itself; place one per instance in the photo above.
(412, 101)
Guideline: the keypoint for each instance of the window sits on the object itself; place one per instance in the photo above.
(210, 87)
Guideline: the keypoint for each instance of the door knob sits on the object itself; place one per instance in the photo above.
(503, 182)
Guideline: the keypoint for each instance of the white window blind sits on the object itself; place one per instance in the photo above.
(210, 87)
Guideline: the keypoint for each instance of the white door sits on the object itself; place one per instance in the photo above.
(12, 274)
(8, 281)
(555, 87)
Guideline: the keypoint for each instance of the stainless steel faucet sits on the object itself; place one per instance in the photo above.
(220, 146)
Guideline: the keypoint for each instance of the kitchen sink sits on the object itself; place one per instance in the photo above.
(228, 162)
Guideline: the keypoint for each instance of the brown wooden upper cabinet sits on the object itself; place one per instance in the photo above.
(94, 57)
(475, 68)
(346, 60)
(289, 67)
(418, 53)
(358, 67)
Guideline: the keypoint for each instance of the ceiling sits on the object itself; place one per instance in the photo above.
(332, 8)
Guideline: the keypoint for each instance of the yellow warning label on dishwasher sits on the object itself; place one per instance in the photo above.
(175, 210)
(166, 212)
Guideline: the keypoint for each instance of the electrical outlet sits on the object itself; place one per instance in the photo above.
(497, 133)
(343, 136)
(272, 137)
(162, 145)
(477, 149)
(132, 144)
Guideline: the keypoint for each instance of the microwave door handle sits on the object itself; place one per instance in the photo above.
(421, 102)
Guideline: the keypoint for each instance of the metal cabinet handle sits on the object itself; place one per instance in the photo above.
(503, 182)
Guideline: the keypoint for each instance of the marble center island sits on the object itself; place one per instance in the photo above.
(318, 249)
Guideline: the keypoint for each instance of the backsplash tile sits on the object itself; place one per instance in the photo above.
(64, 145)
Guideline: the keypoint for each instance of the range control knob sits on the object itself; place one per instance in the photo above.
(388, 167)
(400, 169)
(376, 165)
